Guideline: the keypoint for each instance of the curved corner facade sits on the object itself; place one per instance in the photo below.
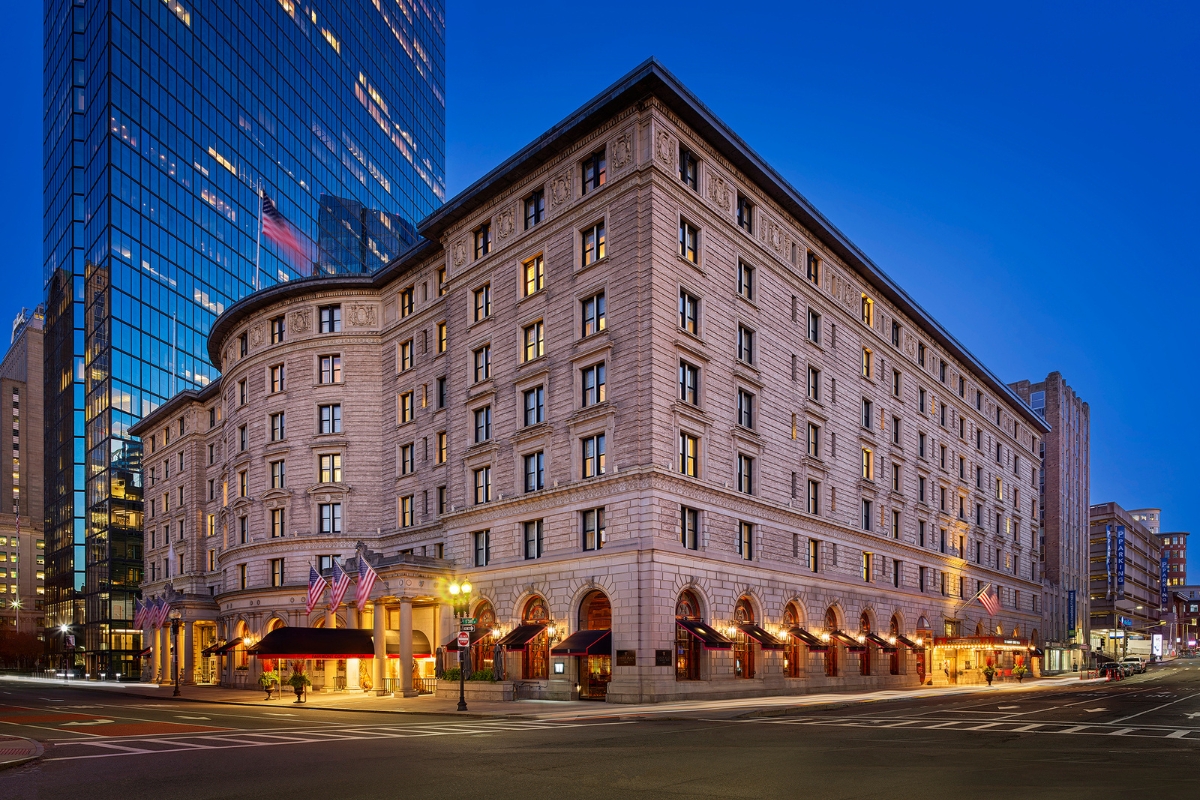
(679, 441)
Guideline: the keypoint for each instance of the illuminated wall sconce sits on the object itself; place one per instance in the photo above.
(559, 668)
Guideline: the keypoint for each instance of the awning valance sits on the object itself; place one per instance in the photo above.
(211, 649)
(420, 644)
(315, 643)
(518, 637)
(882, 643)
(476, 635)
(146, 652)
(229, 646)
(585, 643)
(761, 636)
(907, 642)
(852, 643)
(810, 640)
(708, 636)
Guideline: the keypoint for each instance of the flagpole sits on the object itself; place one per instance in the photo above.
(258, 243)
(975, 597)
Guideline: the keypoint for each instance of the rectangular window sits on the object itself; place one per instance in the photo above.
(483, 240)
(329, 369)
(406, 511)
(866, 567)
(814, 555)
(689, 169)
(593, 169)
(689, 241)
(483, 424)
(278, 475)
(277, 523)
(868, 311)
(242, 397)
(868, 359)
(243, 346)
(745, 280)
(921, 445)
(535, 208)
(745, 213)
(242, 580)
(813, 270)
(745, 543)
(330, 467)
(689, 313)
(895, 477)
(814, 440)
(277, 379)
(442, 337)
(867, 506)
(689, 383)
(408, 459)
(278, 428)
(483, 485)
(533, 539)
(593, 314)
(867, 413)
(592, 523)
(405, 414)
(441, 500)
(895, 524)
(407, 302)
(442, 445)
(593, 243)
(745, 409)
(941, 370)
(921, 353)
(868, 464)
(689, 455)
(243, 488)
(921, 488)
(482, 363)
(814, 384)
(330, 319)
(745, 345)
(593, 384)
(483, 302)
(406, 355)
(534, 275)
(331, 517)
(330, 418)
(534, 403)
(277, 330)
(533, 341)
(745, 474)
(535, 471)
(243, 530)
(593, 455)
(483, 548)
(689, 527)
(814, 327)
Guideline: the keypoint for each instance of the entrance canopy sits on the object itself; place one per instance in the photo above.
(707, 636)
(761, 636)
(420, 644)
(315, 643)
(585, 643)
(809, 640)
(982, 643)
(521, 635)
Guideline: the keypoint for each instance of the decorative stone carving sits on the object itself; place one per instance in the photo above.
(718, 191)
(560, 188)
(622, 150)
(459, 252)
(361, 315)
(504, 223)
(256, 336)
(663, 149)
(776, 237)
(301, 321)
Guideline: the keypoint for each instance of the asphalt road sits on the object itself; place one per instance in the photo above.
(1141, 735)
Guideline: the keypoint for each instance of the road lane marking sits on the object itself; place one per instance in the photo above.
(1122, 732)
(1156, 708)
(1095, 710)
(1178, 734)
(1029, 727)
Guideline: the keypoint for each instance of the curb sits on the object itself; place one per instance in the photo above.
(38, 752)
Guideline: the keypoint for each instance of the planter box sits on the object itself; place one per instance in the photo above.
(478, 690)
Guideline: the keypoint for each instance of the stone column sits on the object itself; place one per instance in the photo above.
(406, 653)
(330, 665)
(164, 654)
(188, 656)
(379, 667)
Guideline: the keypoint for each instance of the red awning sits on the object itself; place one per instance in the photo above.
(232, 644)
(851, 642)
(585, 643)
(880, 642)
(810, 640)
(521, 635)
(146, 652)
(761, 636)
(476, 635)
(321, 643)
(909, 643)
(708, 636)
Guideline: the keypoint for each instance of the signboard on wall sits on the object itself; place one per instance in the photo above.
(1071, 613)
(1120, 559)
(1156, 648)
(1162, 583)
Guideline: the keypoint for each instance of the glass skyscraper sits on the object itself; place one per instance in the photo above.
(166, 122)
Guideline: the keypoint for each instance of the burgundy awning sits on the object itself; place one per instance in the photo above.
(907, 642)
(761, 636)
(852, 643)
(227, 647)
(146, 652)
(881, 643)
(810, 640)
(476, 635)
(585, 643)
(522, 635)
(708, 636)
(320, 643)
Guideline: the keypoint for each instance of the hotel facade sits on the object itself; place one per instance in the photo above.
(683, 438)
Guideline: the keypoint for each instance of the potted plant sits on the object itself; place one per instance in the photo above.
(298, 680)
(1019, 669)
(268, 680)
(989, 672)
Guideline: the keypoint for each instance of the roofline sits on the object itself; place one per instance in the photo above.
(174, 403)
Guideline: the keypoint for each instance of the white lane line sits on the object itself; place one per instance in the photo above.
(1122, 732)
(902, 722)
(1156, 708)
(984, 726)
(1178, 734)
(1076, 729)
(1029, 727)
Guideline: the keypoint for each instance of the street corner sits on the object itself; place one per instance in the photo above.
(15, 751)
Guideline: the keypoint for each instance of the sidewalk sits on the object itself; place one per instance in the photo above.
(547, 709)
(15, 751)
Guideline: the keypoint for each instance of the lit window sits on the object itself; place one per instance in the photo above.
(534, 341)
(592, 523)
(483, 240)
(689, 313)
(534, 271)
(593, 455)
(535, 208)
(689, 241)
(594, 384)
(593, 169)
(483, 302)
(329, 468)
(689, 169)
(592, 311)
(689, 455)
(868, 311)
(593, 243)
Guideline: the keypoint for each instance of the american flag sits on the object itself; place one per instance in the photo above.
(316, 587)
(164, 611)
(366, 582)
(276, 228)
(139, 614)
(990, 601)
(341, 582)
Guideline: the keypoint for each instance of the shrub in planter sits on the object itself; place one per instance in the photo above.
(989, 671)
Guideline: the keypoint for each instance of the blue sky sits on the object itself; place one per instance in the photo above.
(1028, 173)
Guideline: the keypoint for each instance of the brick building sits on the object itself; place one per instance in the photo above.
(1064, 493)
(1125, 585)
(630, 381)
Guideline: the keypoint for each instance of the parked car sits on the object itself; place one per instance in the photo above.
(1136, 664)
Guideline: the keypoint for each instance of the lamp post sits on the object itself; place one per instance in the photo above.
(176, 623)
(66, 632)
(460, 599)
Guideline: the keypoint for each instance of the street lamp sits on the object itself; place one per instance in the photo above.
(176, 623)
(460, 599)
(66, 631)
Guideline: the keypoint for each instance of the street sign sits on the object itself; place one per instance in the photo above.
(466, 627)
(468, 620)
(464, 639)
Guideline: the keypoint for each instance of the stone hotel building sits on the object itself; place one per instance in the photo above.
(683, 438)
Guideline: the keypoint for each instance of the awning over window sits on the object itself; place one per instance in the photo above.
(809, 640)
(315, 643)
(420, 644)
(708, 636)
(211, 650)
(476, 635)
(851, 642)
(585, 643)
(761, 636)
(146, 652)
(909, 643)
(518, 637)
(1036, 652)
(227, 647)
(882, 643)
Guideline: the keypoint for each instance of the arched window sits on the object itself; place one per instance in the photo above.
(893, 632)
(483, 651)
(831, 655)
(864, 657)
(241, 658)
(595, 671)
(536, 663)
(743, 645)
(793, 656)
(687, 647)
